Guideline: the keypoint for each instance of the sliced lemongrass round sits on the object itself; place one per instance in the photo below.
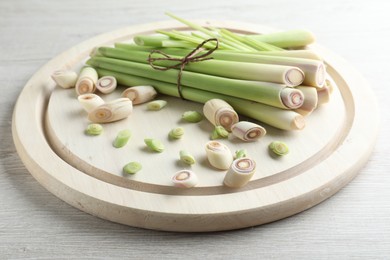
(94, 129)
(279, 148)
(294, 77)
(122, 138)
(310, 102)
(132, 168)
(192, 116)
(65, 78)
(240, 154)
(187, 158)
(154, 144)
(176, 133)
(115, 110)
(248, 131)
(140, 94)
(219, 112)
(240, 172)
(86, 82)
(90, 101)
(106, 84)
(292, 98)
(218, 155)
(219, 132)
(185, 179)
(156, 105)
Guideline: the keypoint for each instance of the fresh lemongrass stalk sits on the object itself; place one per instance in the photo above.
(263, 92)
(115, 110)
(219, 112)
(304, 54)
(132, 168)
(122, 138)
(286, 39)
(240, 154)
(156, 105)
(241, 45)
(90, 101)
(86, 82)
(133, 47)
(192, 116)
(310, 102)
(185, 179)
(324, 93)
(94, 129)
(140, 94)
(106, 84)
(219, 155)
(279, 148)
(188, 38)
(65, 78)
(240, 173)
(292, 97)
(154, 144)
(224, 41)
(276, 117)
(176, 133)
(248, 131)
(219, 132)
(192, 25)
(187, 158)
(150, 40)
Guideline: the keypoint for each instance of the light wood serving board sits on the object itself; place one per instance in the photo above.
(86, 172)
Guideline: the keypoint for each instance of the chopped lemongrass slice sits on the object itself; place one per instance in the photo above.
(240, 172)
(140, 94)
(218, 155)
(132, 168)
(106, 84)
(115, 110)
(279, 148)
(219, 132)
(65, 78)
(185, 179)
(94, 129)
(176, 133)
(248, 131)
(156, 105)
(192, 116)
(86, 82)
(187, 158)
(90, 101)
(154, 144)
(122, 138)
(219, 112)
(240, 154)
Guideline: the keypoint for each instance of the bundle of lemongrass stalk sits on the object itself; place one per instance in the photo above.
(255, 74)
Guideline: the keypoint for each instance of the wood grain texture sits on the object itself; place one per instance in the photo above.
(34, 224)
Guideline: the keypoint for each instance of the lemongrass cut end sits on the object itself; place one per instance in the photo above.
(294, 77)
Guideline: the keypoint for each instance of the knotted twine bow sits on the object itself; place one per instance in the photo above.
(182, 62)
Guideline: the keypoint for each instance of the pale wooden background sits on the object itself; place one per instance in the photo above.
(353, 224)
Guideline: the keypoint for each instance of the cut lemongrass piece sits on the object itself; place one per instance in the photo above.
(90, 101)
(192, 116)
(112, 111)
(154, 144)
(132, 168)
(140, 94)
(156, 105)
(65, 78)
(219, 132)
(122, 138)
(187, 158)
(219, 112)
(176, 133)
(240, 154)
(310, 101)
(286, 39)
(86, 82)
(279, 148)
(292, 98)
(240, 172)
(185, 179)
(94, 129)
(106, 84)
(248, 131)
(218, 155)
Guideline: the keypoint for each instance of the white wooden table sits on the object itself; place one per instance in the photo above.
(355, 223)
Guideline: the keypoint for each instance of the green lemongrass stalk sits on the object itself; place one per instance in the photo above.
(157, 41)
(192, 25)
(310, 102)
(276, 117)
(286, 39)
(184, 37)
(263, 92)
(223, 41)
(236, 41)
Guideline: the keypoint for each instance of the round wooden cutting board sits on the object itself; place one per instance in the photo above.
(86, 172)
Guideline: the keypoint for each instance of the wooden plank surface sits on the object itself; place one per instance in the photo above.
(34, 223)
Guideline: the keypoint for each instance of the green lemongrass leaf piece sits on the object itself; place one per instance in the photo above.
(219, 132)
(192, 116)
(279, 148)
(122, 138)
(94, 129)
(156, 105)
(187, 158)
(241, 153)
(176, 133)
(154, 144)
(132, 168)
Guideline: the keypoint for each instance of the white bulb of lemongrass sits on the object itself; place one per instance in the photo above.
(90, 101)
(185, 179)
(140, 94)
(106, 84)
(240, 172)
(310, 102)
(65, 78)
(86, 82)
(248, 131)
(219, 155)
(220, 113)
(292, 97)
(111, 111)
(324, 93)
